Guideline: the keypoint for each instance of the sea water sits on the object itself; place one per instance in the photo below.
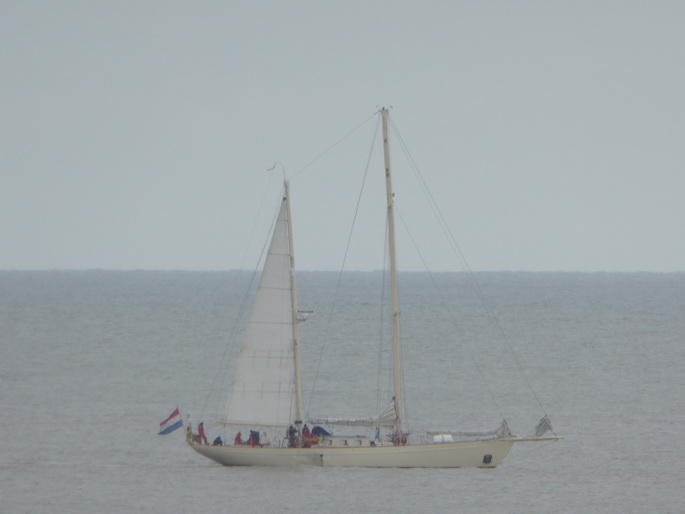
(91, 362)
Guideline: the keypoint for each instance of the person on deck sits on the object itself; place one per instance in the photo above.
(189, 428)
(305, 437)
(254, 437)
(201, 432)
(238, 438)
(292, 433)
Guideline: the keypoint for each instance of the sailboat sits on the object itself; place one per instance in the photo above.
(266, 389)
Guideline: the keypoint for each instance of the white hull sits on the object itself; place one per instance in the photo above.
(465, 454)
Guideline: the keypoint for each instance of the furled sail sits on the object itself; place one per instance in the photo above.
(263, 388)
(500, 431)
(386, 418)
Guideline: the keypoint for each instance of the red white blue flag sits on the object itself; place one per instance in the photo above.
(171, 423)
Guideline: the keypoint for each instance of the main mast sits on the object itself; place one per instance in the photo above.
(293, 293)
(395, 311)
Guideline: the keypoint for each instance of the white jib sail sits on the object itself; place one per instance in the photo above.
(263, 388)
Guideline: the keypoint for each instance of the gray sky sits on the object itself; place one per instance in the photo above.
(137, 135)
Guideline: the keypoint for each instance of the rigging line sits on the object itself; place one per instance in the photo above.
(342, 268)
(431, 200)
(243, 305)
(443, 304)
(460, 256)
(301, 170)
(259, 210)
(241, 313)
(231, 347)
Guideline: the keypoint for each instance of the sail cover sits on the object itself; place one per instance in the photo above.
(263, 387)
